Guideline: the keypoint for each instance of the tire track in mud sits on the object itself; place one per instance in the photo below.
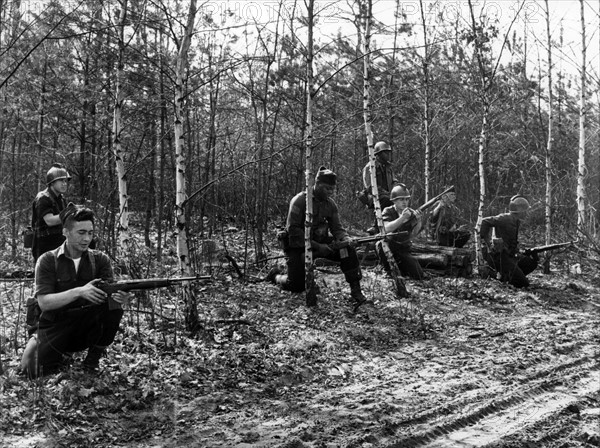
(446, 429)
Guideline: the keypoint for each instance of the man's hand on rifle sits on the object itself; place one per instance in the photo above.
(351, 242)
(122, 297)
(91, 293)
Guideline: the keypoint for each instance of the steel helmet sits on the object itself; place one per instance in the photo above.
(399, 192)
(56, 172)
(518, 204)
(381, 146)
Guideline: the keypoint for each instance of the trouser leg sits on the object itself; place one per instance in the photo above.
(294, 279)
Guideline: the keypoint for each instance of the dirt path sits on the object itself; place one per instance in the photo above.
(502, 369)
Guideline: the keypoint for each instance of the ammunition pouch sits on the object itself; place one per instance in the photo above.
(28, 238)
(365, 198)
(497, 245)
(32, 317)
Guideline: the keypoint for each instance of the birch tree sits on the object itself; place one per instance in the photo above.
(426, 103)
(366, 12)
(486, 71)
(548, 202)
(123, 226)
(311, 293)
(581, 165)
(191, 311)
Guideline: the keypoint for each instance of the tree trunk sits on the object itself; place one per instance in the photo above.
(426, 113)
(191, 309)
(123, 227)
(160, 150)
(311, 292)
(548, 207)
(581, 171)
(366, 11)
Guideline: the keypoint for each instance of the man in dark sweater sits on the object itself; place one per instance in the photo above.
(502, 251)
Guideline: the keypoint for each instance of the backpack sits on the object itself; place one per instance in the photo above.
(32, 318)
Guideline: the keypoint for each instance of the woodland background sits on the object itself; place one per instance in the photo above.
(134, 95)
(67, 68)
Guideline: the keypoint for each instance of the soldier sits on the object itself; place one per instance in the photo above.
(401, 218)
(445, 222)
(326, 228)
(46, 208)
(383, 175)
(502, 253)
(75, 314)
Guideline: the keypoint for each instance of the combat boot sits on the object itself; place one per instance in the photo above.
(273, 274)
(356, 294)
(91, 363)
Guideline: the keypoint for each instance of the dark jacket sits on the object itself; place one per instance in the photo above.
(325, 224)
(507, 228)
(383, 175)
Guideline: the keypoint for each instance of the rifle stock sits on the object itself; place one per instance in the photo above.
(142, 284)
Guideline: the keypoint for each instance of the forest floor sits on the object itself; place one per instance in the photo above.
(460, 363)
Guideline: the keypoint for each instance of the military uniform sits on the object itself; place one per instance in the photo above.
(46, 237)
(506, 260)
(444, 219)
(326, 228)
(400, 247)
(79, 325)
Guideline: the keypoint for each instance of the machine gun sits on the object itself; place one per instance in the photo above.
(342, 246)
(549, 247)
(142, 284)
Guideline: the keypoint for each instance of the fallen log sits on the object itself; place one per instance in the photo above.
(432, 260)
(428, 247)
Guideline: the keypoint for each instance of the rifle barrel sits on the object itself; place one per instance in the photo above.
(432, 201)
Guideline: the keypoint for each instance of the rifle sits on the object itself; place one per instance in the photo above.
(141, 284)
(432, 201)
(549, 247)
(342, 246)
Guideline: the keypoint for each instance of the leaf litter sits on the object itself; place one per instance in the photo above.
(266, 371)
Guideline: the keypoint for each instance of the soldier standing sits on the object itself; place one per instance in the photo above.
(46, 208)
(383, 175)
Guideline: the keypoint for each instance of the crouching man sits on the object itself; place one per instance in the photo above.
(75, 313)
(326, 228)
(503, 255)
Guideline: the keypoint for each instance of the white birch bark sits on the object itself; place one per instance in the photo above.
(311, 296)
(581, 165)
(123, 226)
(180, 159)
(366, 20)
(548, 207)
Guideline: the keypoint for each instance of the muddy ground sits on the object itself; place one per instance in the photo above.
(461, 363)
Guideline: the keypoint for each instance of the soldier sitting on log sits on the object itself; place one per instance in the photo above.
(501, 253)
(444, 223)
(401, 218)
(326, 231)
